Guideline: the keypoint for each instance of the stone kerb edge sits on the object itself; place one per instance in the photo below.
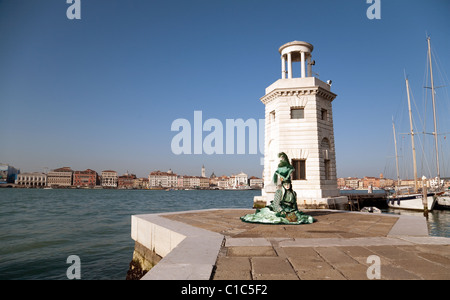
(188, 252)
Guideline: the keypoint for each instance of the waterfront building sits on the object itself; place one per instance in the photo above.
(34, 179)
(370, 181)
(256, 182)
(377, 182)
(387, 183)
(140, 183)
(180, 182)
(86, 178)
(204, 182)
(223, 184)
(109, 178)
(352, 182)
(158, 179)
(213, 179)
(60, 177)
(299, 122)
(194, 181)
(238, 180)
(203, 171)
(190, 182)
(126, 181)
(433, 182)
(341, 183)
(446, 183)
(364, 183)
(8, 173)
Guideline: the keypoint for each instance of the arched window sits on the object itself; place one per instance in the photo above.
(325, 147)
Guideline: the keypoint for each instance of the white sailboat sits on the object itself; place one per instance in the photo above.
(415, 200)
(443, 201)
(407, 199)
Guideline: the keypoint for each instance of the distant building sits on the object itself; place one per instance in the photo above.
(140, 183)
(446, 183)
(433, 182)
(364, 183)
(213, 179)
(386, 182)
(238, 180)
(204, 183)
(256, 182)
(203, 171)
(158, 179)
(126, 181)
(87, 178)
(60, 177)
(8, 173)
(370, 181)
(180, 182)
(34, 179)
(192, 182)
(352, 182)
(410, 183)
(223, 182)
(109, 178)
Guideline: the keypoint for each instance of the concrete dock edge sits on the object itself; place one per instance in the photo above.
(188, 252)
(191, 253)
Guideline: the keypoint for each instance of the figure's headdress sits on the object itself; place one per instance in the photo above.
(284, 170)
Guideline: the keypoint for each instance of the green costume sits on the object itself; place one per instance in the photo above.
(283, 209)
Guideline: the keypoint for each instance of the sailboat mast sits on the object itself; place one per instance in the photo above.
(434, 114)
(396, 156)
(412, 138)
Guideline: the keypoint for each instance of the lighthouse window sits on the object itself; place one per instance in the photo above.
(300, 169)
(297, 113)
(327, 169)
(324, 114)
(272, 116)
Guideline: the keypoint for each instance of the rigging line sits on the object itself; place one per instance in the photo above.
(444, 169)
(445, 81)
(425, 164)
(422, 141)
(442, 76)
(438, 64)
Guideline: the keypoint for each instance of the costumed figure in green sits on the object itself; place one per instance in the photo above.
(283, 209)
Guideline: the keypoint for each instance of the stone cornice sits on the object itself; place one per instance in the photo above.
(298, 92)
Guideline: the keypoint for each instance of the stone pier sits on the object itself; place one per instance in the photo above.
(216, 244)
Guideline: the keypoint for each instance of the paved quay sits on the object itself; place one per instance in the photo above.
(216, 244)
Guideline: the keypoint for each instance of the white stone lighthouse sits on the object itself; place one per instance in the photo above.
(299, 122)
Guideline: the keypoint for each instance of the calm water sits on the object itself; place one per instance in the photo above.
(39, 229)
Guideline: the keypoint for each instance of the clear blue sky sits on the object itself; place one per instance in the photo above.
(103, 91)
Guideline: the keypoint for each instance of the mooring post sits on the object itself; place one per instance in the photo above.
(424, 198)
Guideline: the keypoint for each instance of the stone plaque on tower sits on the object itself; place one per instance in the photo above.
(299, 122)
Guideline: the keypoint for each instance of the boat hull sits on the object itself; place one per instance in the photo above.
(443, 202)
(411, 201)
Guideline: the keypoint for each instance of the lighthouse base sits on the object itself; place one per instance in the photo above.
(339, 203)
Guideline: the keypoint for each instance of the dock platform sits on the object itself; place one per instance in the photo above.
(215, 244)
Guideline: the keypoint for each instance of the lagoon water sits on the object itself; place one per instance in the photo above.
(39, 228)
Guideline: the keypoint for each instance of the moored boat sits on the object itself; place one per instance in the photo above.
(413, 201)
